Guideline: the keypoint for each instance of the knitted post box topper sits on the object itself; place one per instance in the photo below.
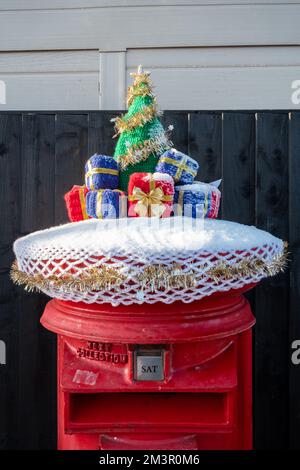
(75, 202)
(106, 204)
(150, 195)
(197, 200)
(101, 172)
(182, 167)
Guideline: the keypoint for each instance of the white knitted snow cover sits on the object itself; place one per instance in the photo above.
(131, 246)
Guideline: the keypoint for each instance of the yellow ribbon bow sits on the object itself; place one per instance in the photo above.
(149, 204)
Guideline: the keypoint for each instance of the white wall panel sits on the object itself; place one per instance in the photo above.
(50, 81)
(221, 78)
(77, 54)
(112, 80)
(65, 4)
(119, 28)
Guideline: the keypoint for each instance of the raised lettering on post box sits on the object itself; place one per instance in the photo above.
(96, 351)
(148, 365)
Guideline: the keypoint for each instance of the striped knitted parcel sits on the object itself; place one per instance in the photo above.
(198, 200)
(101, 172)
(180, 166)
(106, 204)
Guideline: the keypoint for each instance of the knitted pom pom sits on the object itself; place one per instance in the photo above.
(106, 204)
(101, 172)
(180, 166)
(150, 195)
(198, 200)
(75, 203)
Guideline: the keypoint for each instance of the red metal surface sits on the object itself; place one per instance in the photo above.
(204, 400)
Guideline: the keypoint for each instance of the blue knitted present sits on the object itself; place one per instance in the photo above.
(198, 200)
(101, 172)
(182, 167)
(106, 204)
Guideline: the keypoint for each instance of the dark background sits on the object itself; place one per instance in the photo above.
(42, 155)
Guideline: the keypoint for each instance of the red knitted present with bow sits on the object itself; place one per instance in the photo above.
(75, 202)
(150, 195)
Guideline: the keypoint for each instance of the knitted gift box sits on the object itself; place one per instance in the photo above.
(197, 200)
(150, 195)
(180, 166)
(75, 202)
(101, 172)
(106, 204)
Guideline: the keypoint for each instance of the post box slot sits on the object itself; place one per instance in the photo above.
(101, 411)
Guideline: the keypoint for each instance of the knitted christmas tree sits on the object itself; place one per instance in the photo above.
(142, 138)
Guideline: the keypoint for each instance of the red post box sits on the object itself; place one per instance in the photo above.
(154, 376)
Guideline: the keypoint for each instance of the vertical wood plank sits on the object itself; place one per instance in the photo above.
(37, 212)
(47, 384)
(37, 344)
(71, 155)
(205, 145)
(101, 132)
(272, 352)
(238, 195)
(238, 183)
(10, 197)
(38, 167)
(179, 135)
(294, 249)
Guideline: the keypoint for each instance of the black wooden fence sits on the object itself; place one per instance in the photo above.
(42, 155)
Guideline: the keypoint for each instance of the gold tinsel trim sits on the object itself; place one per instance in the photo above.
(141, 91)
(155, 277)
(158, 277)
(249, 267)
(139, 119)
(101, 278)
(140, 78)
(140, 152)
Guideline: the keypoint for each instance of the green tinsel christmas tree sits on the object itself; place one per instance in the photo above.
(142, 138)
